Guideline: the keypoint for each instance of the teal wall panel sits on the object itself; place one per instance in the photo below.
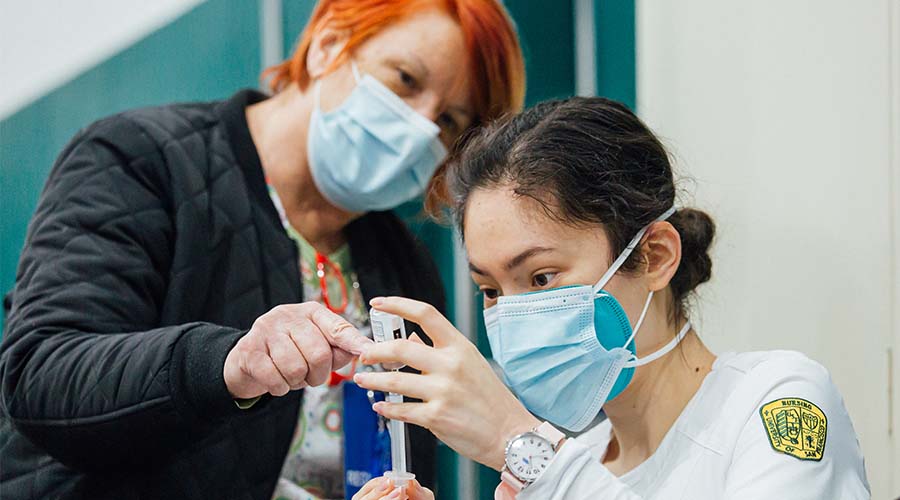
(547, 33)
(295, 13)
(207, 53)
(614, 26)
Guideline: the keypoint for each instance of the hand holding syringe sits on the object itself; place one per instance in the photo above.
(387, 327)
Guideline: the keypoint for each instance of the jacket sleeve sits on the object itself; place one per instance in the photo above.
(88, 374)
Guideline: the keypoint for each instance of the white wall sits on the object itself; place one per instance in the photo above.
(44, 43)
(781, 111)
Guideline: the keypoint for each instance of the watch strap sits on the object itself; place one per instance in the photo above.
(506, 489)
(510, 485)
(550, 433)
(510, 479)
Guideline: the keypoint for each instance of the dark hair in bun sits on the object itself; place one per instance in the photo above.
(586, 160)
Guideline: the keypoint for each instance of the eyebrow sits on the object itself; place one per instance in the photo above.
(423, 69)
(516, 261)
(417, 62)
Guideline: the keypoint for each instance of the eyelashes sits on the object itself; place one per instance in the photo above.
(542, 280)
(408, 80)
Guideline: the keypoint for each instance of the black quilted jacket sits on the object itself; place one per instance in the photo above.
(154, 247)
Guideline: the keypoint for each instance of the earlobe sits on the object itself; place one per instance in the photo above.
(662, 249)
(327, 44)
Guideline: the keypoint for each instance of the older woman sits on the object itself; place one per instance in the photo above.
(158, 336)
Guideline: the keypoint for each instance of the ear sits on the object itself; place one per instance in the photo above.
(326, 46)
(662, 254)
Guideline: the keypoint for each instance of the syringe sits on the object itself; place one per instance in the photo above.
(386, 327)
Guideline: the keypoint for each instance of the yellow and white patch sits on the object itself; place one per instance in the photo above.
(795, 427)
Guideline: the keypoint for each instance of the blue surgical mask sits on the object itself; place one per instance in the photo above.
(373, 152)
(565, 352)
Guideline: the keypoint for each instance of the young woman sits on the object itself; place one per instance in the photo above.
(586, 261)
(150, 292)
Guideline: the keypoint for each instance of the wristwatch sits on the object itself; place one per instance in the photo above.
(528, 455)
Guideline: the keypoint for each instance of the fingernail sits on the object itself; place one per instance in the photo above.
(377, 408)
(359, 378)
(395, 494)
(377, 301)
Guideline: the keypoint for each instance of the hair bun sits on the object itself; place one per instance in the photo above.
(697, 231)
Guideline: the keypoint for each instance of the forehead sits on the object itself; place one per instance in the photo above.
(499, 225)
(433, 37)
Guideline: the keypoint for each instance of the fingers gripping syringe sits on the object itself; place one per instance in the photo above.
(387, 327)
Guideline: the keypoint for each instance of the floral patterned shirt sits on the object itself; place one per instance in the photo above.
(314, 466)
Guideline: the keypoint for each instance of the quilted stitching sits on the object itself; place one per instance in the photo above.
(147, 222)
(207, 187)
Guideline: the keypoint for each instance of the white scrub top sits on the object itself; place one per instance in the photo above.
(762, 425)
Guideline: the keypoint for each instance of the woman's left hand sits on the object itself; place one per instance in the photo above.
(381, 488)
(463, 402)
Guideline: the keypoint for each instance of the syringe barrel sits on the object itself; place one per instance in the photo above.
(387, 327)
(398, 438)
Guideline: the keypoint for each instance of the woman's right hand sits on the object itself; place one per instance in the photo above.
(463, 402)
(381, 488)
(290, 347)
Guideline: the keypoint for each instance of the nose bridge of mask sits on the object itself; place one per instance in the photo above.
(394, 102)
(368, 88)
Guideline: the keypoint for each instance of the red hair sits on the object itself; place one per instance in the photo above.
(495, 57)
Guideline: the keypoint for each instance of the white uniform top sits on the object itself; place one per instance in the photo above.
(762, 425)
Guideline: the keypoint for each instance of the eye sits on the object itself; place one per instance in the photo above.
(408, 80)
(490, 293)
(446, 122)
(542, 280)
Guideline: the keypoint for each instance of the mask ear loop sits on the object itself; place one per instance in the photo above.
(619, 261)
(628, 249)
(640, 321)
(634, 363)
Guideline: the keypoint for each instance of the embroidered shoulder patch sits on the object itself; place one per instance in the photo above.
(795, 427)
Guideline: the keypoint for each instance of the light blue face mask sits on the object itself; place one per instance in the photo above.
(373, 152)
(565, 352)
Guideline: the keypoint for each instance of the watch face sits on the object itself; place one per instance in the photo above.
(528, 455)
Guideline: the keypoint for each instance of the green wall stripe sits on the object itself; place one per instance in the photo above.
(295, 14)
(616, 63)
(547, 33)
